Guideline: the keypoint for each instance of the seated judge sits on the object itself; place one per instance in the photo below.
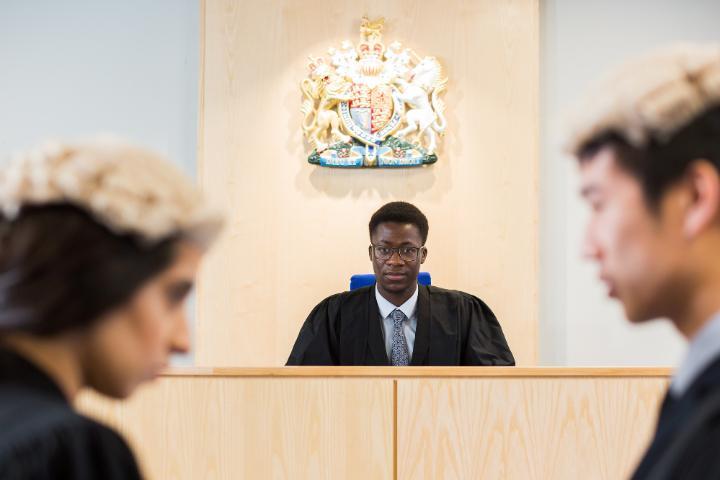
(396, 321)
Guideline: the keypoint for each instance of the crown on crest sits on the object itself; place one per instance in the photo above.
(371, 33)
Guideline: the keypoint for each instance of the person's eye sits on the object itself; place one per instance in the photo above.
(176, 293)
(384, 251)
(409, 251)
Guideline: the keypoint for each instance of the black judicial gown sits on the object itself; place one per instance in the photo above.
(686, 445)
(42, 437)
(454, 328)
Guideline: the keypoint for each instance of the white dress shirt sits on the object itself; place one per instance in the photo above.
(703, 349)
(409, 308)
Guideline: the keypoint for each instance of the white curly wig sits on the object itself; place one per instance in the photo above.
(128, 189)
(649, 98)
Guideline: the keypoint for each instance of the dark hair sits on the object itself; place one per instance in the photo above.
(60, 270)
(661, 163)
(400, 212)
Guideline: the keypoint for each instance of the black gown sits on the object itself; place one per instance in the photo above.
(686, 445)
(454, 328)
(42, 437)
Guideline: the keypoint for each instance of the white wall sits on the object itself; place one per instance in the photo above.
(77, 68)
(581, 39)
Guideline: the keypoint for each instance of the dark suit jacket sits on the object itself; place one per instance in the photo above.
(42, 437)
(687, 440)
(454, 328)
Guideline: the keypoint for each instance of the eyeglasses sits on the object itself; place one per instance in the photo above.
(407, 254)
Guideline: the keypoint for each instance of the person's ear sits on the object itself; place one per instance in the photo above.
(423, 255)
(703, 183)
(370, 252)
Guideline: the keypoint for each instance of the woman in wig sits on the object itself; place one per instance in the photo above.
(99, 246)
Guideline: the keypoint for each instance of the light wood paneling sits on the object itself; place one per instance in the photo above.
(424, 372)
(297, 232)
(231, 428)
(529, 424)
(530, 429)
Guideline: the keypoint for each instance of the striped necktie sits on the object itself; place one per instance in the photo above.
(399, 353)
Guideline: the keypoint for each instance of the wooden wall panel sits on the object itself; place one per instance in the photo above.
(257, 428)
(531, 429)
(297, 232)
(305, 423)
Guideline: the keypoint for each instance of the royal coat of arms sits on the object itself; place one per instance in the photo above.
(371, 106)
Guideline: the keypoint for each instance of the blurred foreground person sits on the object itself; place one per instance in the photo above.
(99, 246)
(648, 145)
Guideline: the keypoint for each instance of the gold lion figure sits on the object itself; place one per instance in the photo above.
(323, 90)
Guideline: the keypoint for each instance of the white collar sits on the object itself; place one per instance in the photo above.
(386, 308)
(703, 349)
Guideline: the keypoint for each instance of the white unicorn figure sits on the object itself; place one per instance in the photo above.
(426, 109)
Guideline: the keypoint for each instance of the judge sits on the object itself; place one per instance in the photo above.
(648, 145)
(396, 321)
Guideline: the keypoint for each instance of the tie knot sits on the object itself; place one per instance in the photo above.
(398, 317)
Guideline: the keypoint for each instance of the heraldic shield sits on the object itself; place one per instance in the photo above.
(368, 106)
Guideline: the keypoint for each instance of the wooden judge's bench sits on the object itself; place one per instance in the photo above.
(374, 423)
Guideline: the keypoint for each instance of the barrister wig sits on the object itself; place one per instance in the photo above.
(649, 99)
(127, 189)
(84, 226)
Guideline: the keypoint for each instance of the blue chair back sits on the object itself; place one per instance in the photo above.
(365, 279)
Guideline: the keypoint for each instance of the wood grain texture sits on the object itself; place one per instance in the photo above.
(297, 232)
(531, 429)
(224, 428)
(423, 372)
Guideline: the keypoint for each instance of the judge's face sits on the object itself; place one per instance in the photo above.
(638, 250)
(133, 343)
(397, 275)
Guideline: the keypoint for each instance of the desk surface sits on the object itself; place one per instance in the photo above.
(405, 372)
